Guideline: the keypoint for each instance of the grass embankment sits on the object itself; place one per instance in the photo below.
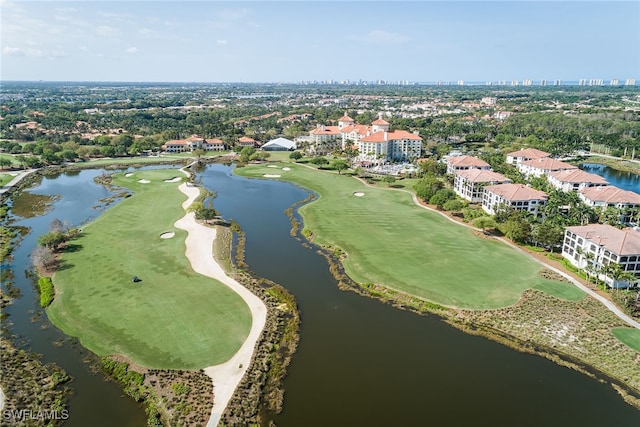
(392, 242)
(629, 336)
(174, 318)
(617, 164)
(5, 178)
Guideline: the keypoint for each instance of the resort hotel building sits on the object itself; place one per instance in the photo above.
(376, 144)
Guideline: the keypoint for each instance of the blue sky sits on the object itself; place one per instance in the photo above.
(291, 41)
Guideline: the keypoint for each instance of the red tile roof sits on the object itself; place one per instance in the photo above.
(547, 163)
(621, 242)
(578, 176)
(328, 130)
(380, 122)
(345, 118)
(246, 139)
(516, 192)
(529, 153)
(611, 194)
(467, 161)
(390, 136)
(482, 175)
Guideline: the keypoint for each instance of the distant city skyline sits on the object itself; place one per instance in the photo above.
(303, 41)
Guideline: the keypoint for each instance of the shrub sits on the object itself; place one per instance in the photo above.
(46, 291)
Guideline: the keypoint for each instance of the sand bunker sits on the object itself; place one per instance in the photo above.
(144, 181)
(268, 175)
(167, 235)
(286, 169)
(127, 175)
(358, 194)
(271, 166)
(176, 179)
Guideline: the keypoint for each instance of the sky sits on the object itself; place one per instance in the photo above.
(294, 41)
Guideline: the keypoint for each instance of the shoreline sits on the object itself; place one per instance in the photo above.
(227, 376)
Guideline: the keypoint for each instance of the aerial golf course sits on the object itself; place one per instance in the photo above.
(173, 318)
(391, 241)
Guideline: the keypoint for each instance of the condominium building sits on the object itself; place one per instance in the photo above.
(516, 196)
(469, 184)
(525, 155)
(456, 164)
(593, 247)
(543, 166)
(575, 179)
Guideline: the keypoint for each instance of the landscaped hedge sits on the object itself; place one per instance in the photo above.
(46, 291)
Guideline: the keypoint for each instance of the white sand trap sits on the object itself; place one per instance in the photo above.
(271, 166)
(286, 169)
(358, 194)
(268, 175)
(144, 181)
(176, 179)
(167, 235)
(127, 175)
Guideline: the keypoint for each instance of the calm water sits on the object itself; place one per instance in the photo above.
(95, 402)
(625, 180)
(359, 363)
(363, 363)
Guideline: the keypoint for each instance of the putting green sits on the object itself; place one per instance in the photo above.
(391, 241)
(173, 318)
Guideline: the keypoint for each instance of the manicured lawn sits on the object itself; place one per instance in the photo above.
(14, 162)
(391, 241)
(125, 160)
(5, 178)
(174, 318)
(629, 336)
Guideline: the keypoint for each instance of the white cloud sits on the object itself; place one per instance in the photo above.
(380, 36)
(221, 42)
(226, 18)
(107, 31)
(17, 51)
(132, 49)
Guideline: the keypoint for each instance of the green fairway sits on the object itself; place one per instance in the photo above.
(629, 336)
(174, 318)
(391, 241)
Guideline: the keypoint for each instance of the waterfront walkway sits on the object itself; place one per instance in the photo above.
(16, 179)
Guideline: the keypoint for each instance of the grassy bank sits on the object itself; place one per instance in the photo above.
(617, 164)
(172, 319)
(389, 241)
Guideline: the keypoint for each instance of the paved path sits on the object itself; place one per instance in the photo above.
(226, 376)
(16, 180)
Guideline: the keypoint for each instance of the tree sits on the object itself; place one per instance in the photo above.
(442, 196)
(319, 161)
(389, 179)
(296, 155)
(427, 187)
(246, 153)
(484, 223)
(42, 257)
(52, 240)
(517, 229)
(548, 234)
(339, 165)
(5, 162)
(454, 205)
